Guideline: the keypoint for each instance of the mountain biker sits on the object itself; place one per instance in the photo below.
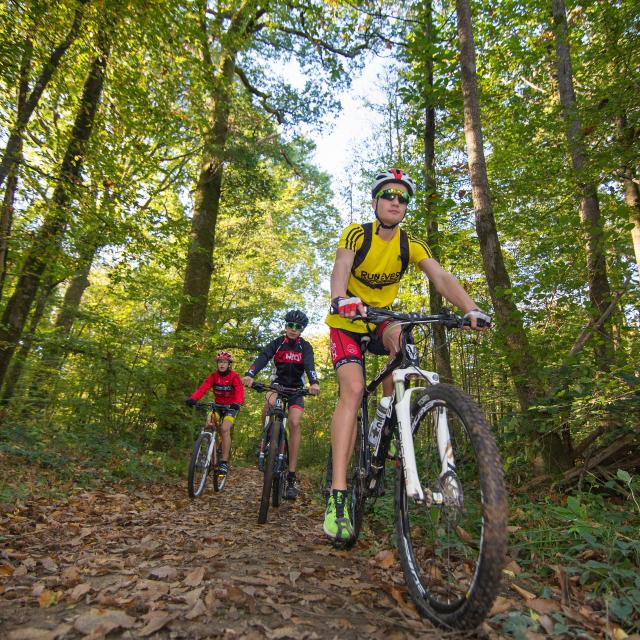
(292, 356)
(227, 389)
(370, 261)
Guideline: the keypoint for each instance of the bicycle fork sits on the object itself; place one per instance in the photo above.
(403, 412)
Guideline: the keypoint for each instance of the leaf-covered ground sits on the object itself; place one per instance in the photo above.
(150, 563)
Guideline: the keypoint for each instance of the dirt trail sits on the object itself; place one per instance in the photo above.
(152, 563)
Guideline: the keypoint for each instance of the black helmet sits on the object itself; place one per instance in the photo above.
(297, 316)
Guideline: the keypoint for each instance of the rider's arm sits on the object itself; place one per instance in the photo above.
(238, 390)
(263, 359)
(447, 284)
(340, 277)
(309, 363)
(203, 388)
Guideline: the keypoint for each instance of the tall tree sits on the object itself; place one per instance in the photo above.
(45, 246)
(440, 345)
(6, 219)
(599, 290)
(521, 360)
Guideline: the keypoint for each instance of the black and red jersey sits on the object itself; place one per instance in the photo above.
(226, 387)
(292, 359)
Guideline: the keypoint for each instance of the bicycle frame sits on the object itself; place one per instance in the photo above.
(405, 365)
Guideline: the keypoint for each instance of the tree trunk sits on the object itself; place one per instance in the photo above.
(630, 183)
(6, 219)
(522, 364)
(12, 150)
(55, 351)
(197, 280)
(46, 244)
(440, 346)
(17, 365)
(599, 292)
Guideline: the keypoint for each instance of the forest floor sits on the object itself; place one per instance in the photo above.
(151, 563)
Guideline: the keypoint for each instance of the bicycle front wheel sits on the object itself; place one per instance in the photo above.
(199, 465)
(452, 547)
(269, 468)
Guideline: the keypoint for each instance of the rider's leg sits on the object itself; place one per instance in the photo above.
(391, 342)
(295, 416)
(344, 420)
(269, 401)
(225, 433)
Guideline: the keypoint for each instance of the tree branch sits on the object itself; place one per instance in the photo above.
(264, 97)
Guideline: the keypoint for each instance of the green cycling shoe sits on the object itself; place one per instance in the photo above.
(337, 524)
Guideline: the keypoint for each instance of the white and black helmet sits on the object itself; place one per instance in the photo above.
(393, 175)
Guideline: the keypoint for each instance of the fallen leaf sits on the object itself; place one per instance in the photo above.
(385, 559)
(543, 606)
(210, 599)
(47, 599)
(29, 633)
(293, 576)
(527, 595)
(71, 575)
(49, 564)
(79, 591)
(195, 577)
(103, 620)
(501, 605)
(21, 571)
(618, 633)
(191, 597)
(155, 621)
(167, 572)
(198, 610)
(6, 570)
(547, 624)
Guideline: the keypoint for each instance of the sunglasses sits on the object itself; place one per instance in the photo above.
(296, 326)
(390, 194)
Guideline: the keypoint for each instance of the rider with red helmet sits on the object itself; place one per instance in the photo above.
(228, 390)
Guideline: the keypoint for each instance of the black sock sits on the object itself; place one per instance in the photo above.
(291, 475)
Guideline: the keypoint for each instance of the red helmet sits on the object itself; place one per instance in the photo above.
(224, 355)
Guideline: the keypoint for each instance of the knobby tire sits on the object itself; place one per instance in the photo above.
(452, 555)
(198, 467)
(269, 469)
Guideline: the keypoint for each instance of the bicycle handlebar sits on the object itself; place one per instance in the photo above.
(377, 315)
(210, 406)
(285, 391)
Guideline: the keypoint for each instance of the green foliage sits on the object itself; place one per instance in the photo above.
(592, 536)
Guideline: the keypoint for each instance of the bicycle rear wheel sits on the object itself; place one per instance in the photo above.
(269, 468)
(199, 465)
(452, 547)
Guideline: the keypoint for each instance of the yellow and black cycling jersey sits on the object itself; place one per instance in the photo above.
(376, 278)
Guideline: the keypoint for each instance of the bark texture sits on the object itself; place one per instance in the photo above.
(522, 364)
(599, 291)
(440, 346)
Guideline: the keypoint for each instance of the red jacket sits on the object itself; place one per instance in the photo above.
(226, 388)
